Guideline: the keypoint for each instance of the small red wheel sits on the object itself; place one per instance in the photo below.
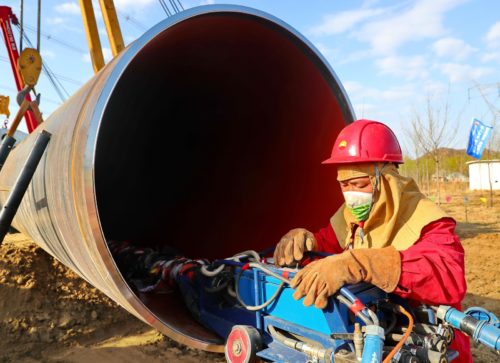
(242, 344)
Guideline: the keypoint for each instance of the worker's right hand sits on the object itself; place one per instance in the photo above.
(292, 246)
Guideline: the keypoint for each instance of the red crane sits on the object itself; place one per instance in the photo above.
(7, 18)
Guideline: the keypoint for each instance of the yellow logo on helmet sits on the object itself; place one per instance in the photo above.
(342, 144)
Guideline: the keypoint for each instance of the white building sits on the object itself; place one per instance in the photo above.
(482, 172)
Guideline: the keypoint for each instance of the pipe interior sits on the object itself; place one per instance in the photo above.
(213, 138)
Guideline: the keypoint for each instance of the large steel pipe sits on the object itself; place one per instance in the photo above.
(205, 134)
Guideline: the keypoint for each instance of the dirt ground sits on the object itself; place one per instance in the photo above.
(49, 314)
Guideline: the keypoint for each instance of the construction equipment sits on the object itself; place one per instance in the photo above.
(30, 66)
(246, 300)
(26, 68)
(112, 27)
(232, 115)
(223, 97)
(4, 106)
(480, 324)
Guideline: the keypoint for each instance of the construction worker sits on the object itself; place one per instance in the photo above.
(387, 232)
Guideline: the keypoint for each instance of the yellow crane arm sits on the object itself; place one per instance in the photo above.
(92, 34)
(112, 28)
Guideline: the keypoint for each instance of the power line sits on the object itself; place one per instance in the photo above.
(59, 41)
(481, 89)
(133, 21)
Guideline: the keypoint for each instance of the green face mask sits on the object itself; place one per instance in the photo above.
(359, 204)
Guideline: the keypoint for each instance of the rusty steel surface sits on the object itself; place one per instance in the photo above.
(206, 133)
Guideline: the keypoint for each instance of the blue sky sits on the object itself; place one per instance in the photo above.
(389, 55)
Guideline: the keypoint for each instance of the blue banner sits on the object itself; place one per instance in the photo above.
(478, 138)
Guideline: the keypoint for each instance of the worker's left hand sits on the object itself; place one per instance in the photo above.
(293, 245)
(323, 278)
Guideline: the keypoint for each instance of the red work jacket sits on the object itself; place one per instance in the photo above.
(432, 271)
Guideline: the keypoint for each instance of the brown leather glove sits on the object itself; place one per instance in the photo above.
(323, 278)
(292, 246)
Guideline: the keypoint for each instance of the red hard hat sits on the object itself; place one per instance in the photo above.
(365, 141)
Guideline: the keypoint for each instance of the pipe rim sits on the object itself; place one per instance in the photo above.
(121, 64)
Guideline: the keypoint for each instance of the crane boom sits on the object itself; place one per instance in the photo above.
(112, 28)
(6, 18)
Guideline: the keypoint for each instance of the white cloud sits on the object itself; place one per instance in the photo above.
(135, 5)
(325, 50)
(366, 110)
(399, 93)
(422, 21)
(361, 93)
(491, 57)
(102, 33)
(56, 21)
(68, 8)
(74, 9)
(343, 58)
(452, 47)
(108, 55)
(434, 88)
(493, 36)
(343, 21)
(464, 72)
(192, 3)
(47, 54)
(406, 67)
(352, 87)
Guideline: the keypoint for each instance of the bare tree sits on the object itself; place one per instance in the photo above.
(416, 150)
(431, 130)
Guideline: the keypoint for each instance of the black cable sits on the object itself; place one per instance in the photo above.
(57, 40)
(256, 307)
(165, 8)
(55, 79)
(129, 18)
(174, 6)
(180, 4)
(39, 25)
(22, 20)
